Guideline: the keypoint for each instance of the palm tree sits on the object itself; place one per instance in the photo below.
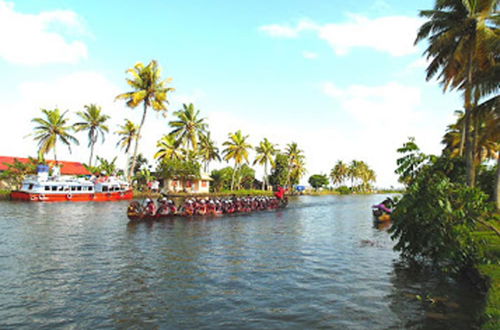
(52, 128)
(148, 89)
(237, 149)
(265, 154)
(188, 127)
(168, 148)
(296, 163)
(339, 172)
(94, 122)
(208, 150)
(128, 134)
(461, 34)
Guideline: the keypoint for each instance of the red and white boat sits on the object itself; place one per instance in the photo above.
(57, 188)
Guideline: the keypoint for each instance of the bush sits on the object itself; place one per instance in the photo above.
(343, 190)
(436, 217)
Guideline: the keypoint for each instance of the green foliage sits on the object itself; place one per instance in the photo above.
(486, 180)
(344, 190)
(181, 169)
(279, 174)
(245, 177)
(318, 180)
(435, 218)
(16, 172)
(411, 161)
(222, 179)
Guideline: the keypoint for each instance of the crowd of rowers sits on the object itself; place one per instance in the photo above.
(205, 206)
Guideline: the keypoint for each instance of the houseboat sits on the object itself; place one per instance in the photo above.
(57, 188)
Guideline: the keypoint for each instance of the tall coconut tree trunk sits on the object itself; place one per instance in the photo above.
(92, 144)
(497, 186)
(131, 170)
(265, 184)
(232, 177)
(469, 152)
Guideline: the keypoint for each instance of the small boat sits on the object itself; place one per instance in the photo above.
(382, 212)
(57, 188)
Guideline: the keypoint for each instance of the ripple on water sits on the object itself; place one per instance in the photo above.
(318, 264)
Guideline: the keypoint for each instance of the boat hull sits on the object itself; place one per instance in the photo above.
(73, 197)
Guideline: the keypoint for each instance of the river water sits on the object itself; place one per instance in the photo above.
(320, 263)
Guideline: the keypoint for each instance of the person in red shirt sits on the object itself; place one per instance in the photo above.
(280, 193)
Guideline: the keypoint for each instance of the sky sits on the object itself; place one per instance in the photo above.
(342, 79)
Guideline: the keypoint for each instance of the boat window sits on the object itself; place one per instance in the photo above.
(73, 188)
(79, 188)
(104, 188)
(47, 188)
(61, 188)
(54, 188)
(91, 188)
(31, 186)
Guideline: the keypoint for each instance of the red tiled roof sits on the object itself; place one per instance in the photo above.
(67, 168)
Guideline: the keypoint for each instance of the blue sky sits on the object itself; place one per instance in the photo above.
(342, 79)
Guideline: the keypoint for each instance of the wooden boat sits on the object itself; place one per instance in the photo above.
(380, 216)
(56, 188)
(135, 213)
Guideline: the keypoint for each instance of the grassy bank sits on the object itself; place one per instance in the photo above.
(4, 195)
(492, 272)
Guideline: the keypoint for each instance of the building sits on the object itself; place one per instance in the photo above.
(192, 185)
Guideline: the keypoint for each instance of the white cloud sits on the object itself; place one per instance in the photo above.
(383, 118)
(32, 39)
(310, 55)
(390, 34)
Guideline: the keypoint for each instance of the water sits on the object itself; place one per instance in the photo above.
(320, 263)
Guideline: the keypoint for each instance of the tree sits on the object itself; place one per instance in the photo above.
(296, 163)
(279, 174)
(94, 122)
(208, 150)
(109, 167)
(245, 177)
(179, 169)
(461, 35)
(140, 164)
(236, 149)
(265, 154)
(17, 171)
(222, 178)
(339, 173)
(168, 148)
(148, 89)
(318, 180)
(410, 163)
(188, 127)
(51, 129)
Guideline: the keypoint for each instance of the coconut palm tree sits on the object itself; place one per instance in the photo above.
(52, 128)
(188, 127)
(237, 149)
(128, 134)
(339, 172)
(168, 148)
(148, 89)
(94, 122)
(296, 163)
(265, 154)
(461, 35)
(208, 150)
